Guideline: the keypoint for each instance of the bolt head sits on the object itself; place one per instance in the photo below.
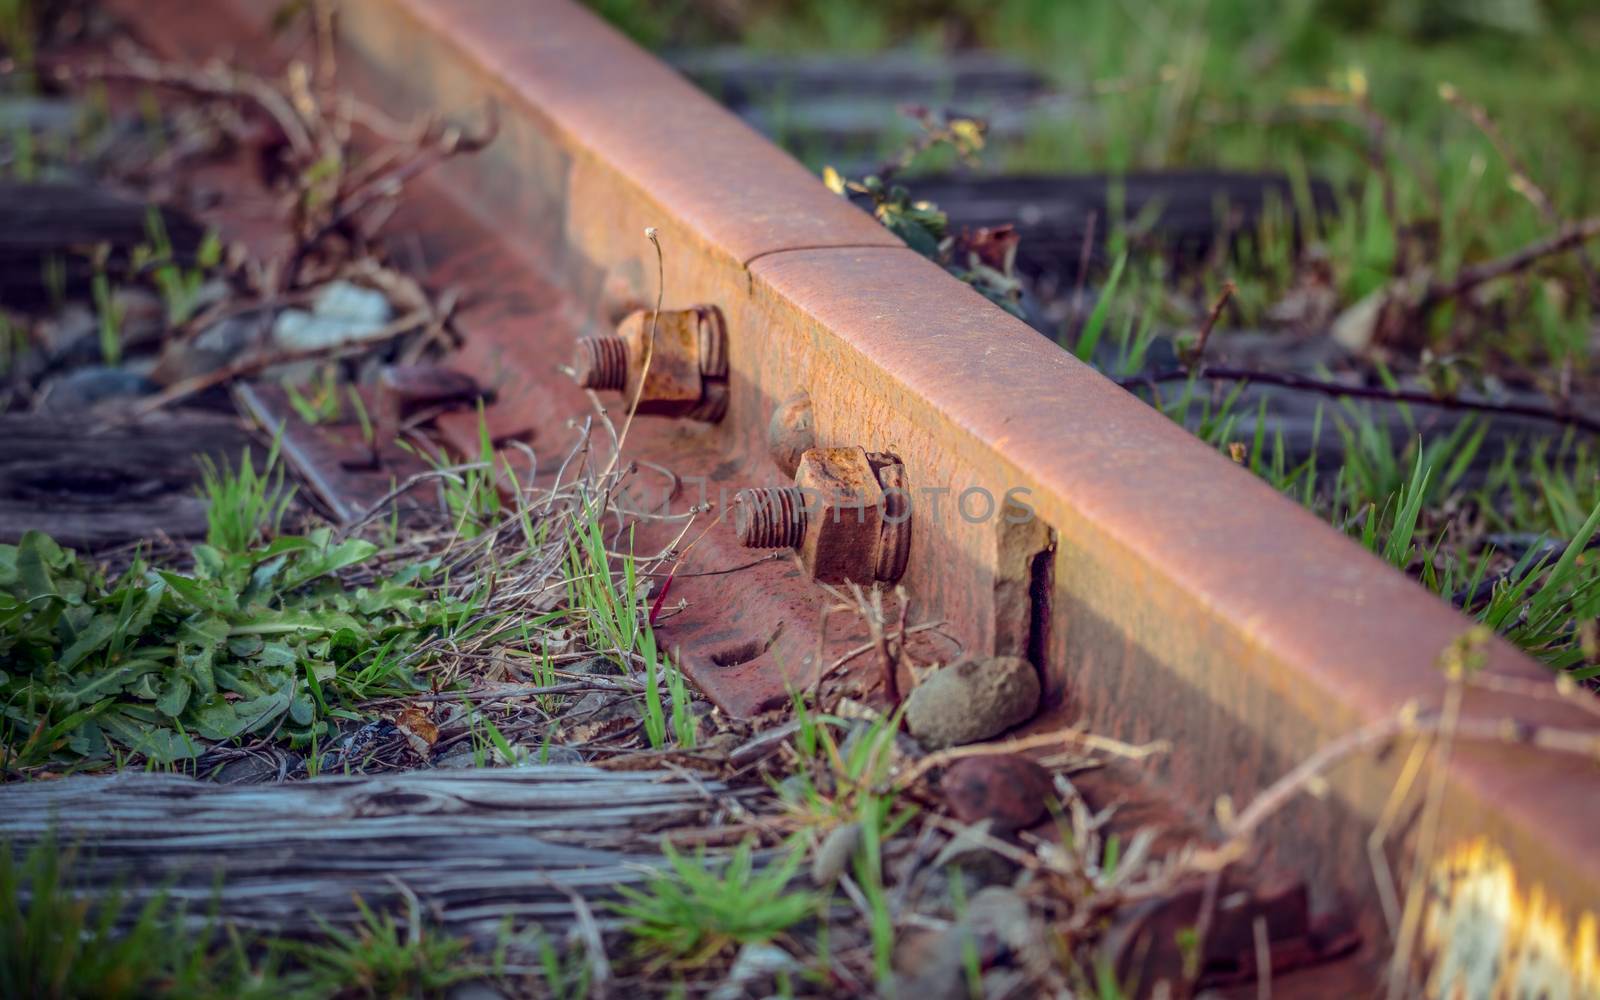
(672, 386)
(844, 515)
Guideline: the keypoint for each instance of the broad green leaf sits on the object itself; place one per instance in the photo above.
(216, 718)
(104, 683)
(90, 640)
(276, 654)
(262, 579)
(196, 592)
(175, 698)
(37, 557)
(345, 554)
(8, 566)
(258, 713)
(160, 744)
(207, 632)
(208, 562)
(246, 645)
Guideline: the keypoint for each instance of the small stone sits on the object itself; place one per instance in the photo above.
(475, 989)
(972, 700)
(834, 853)
(998, 926)
(756, 964)
(249, 770)
(460, 757)
(969, 851)
(1000, 914)
(89, 387)
(555, 753)
(601, 665)
(604, 706)
(343, 313)
(218, 344)
(1008, 790)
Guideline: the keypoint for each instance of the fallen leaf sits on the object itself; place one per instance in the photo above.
(419, 729)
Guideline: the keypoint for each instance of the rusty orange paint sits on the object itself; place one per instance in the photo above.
(1168, 593)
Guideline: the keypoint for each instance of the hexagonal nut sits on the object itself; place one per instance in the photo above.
(673, 386)
(844, 506)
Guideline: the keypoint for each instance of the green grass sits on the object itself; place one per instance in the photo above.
(837, 784)
(57, 944)
(688, 915)
(378, 958)
(615, 618)
(243, 506)
(1367, 96)
(1291, 86)
(1410, 504)
(261, 636)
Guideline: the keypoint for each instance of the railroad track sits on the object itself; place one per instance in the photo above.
(1161, 591)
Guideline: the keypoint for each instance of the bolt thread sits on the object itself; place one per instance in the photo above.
(713, 342)
(770, 518)
(601, 363)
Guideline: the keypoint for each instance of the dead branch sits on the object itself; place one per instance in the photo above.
(260, 362)
(1567, 237)
(1522, 180)
(1198, 353)
(1305, 383)
(1074, 737)
(1408, 722)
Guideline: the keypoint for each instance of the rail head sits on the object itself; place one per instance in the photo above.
(1165, 591)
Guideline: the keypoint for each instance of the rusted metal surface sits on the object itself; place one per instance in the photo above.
(404, 391)
(848, 515)
(348, 471)
(1254, 934)
(673, 363)
(1164, 592)
(790, 433)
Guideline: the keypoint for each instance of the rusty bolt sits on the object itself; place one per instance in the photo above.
(846, 515)
(687, 375)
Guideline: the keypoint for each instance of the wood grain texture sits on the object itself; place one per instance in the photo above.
(473, 846)
(91, 489)
(69, 223)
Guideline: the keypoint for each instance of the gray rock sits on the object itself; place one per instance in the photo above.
(972, 700)
(998, 925)
(602, 706)
(343, 313)
(834, 853)
(249, 770)
(969, 852)
(475, 989)
(756, 964)
(602, 666)
(460, 757)
(219, 344)
(1002, 914)
(89, 387)
(555, 753)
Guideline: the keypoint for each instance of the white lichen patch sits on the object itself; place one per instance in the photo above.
(1485, 936)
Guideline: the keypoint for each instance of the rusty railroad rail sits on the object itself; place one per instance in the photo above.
(1162, 591)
